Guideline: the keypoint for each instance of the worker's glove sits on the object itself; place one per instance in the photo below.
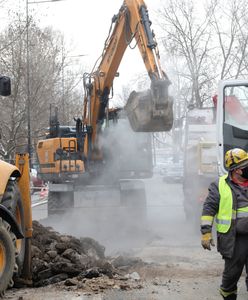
(207, 241)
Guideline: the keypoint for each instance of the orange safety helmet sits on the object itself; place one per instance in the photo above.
(236, 158)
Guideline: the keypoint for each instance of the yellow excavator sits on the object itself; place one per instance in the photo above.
(72, 157)
(15, 216)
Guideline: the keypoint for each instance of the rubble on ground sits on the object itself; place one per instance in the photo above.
(78, 263)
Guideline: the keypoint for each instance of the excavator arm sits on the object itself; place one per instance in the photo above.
(66, 155)
(147, 111)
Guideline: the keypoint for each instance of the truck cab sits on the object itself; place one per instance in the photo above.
(232, 118)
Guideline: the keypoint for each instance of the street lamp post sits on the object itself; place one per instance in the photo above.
(28, 76)
(28, 88)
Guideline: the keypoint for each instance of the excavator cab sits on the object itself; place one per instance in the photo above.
(232, 118)
(151, 110)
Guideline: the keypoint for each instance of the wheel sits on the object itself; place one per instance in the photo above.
(12, 200)
(59, 202)
(7, 257)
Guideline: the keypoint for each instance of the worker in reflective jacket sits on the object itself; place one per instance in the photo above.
(227, 203)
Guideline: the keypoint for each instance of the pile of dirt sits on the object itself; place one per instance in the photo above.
(76, 262)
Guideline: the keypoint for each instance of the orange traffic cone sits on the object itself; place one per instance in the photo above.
(43, 192)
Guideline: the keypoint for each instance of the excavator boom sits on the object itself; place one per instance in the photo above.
(151, 110)
(147, 111)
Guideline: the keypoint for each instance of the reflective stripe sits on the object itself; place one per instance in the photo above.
(225, 222)
(204, 222)
(226, 294)
(207, 220)
(242, 214)
(244, 209)
(234, 216)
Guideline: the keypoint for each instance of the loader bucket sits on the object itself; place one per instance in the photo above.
(151, 110)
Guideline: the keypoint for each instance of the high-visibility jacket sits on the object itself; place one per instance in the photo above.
(226, 201)
(226, 213)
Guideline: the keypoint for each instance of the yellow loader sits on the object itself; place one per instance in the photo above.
(15, 216)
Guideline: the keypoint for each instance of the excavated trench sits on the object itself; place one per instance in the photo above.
(79, 263)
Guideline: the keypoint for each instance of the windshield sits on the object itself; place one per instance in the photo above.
(236, 106)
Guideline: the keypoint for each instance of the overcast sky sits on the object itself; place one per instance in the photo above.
(86, 21)
(85, 24)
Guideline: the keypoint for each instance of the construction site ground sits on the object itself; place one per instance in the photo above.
(176, 267)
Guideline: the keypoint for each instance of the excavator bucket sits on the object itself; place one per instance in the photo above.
(151, 110)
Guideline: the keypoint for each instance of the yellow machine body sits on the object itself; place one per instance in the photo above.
(22, 162)
(15, 216)
(15, 181)
(48, 154)
(7, 171)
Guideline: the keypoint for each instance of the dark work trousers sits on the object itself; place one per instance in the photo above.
(234, 266)
(246, 278)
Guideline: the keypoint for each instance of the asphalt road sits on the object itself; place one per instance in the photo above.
(105, 222)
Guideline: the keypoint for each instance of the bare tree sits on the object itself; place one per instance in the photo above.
(188, 38)
(45, 80)
(230, 24)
